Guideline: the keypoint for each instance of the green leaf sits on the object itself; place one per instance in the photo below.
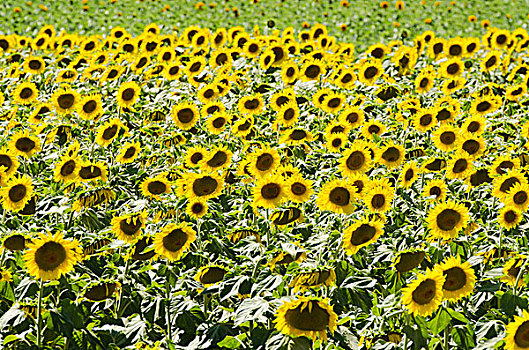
(233, 342)
(509, 303)
(440, 321)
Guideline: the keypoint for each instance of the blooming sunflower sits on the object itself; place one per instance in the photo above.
(503, 183)
(355, 160)
(518, 197)
(128, 227)
(173, 241)
(50, 256)
(92, 171)
(217, 159)
(8, 160)
(446, 137)
(459, 167)
(446, 219)
(370, 71)
(90, 107)
(352, 115)
(308, 317)
(485, 105)
(108, 131)
(154, 187)
(269, 191)
(512, 271)
(391, 155)
(424, 119)
(459, 278)
(451, 68)
(24, 144)
(67, 169)
(263, 161)
(196, 208)
(299, 190)
(16, 193)
(25, 93)
(410, 173)
(472, 145)
(288, 114)
(337, 196)
(509, 217)
(311, 70)
(65, 100)
(378, 198)
(424, 295)
(217, 122)
(362, 233)
(517, 333)
(194, 156)
(129, 152)
(251, 105)
(185, 115)
(128, 93)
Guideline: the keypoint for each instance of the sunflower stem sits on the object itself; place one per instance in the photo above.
(119, 305)
(39, 315)
(446, 337)
(168, 312)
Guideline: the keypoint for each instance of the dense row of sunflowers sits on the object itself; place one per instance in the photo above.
(263, 178)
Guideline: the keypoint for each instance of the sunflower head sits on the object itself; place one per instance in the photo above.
(424, 295)
(173, 240)
(459, 278)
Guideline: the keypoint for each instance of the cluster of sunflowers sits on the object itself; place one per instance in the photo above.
(273, 157)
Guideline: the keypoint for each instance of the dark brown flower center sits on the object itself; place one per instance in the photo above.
(175, 240)
(334, 102)
(100, 292)
(378, 201)
(185, 115)
(204, 186)
(26, 93)
(50, 256)
(264, 162)
(435, 191)
(219, 159)
(520, 197)
(270, 191)
(364, 233)
(447, 137)
(392, 154)
(15, 242)
(89, 106)
(197, 208)
(90, 172)
(483, 106)
(128, 94)
(471, 146)
(298, 188)
(521, 337)
(212, 275)
(310, 319)
(508, 183)
(66, 101)
(408, 175)
(370, 72)
(35, 64)
(156, 187)
(313, 71)
(251, 104)
(460, 166)
(448, 219)
(68, 168)
(455, 279)
(339, 196)
(452, 68)
(25, 144)
(128, 227)
(129, 152)
(425, 292)
(426, 120)
(17, 193)
(110, 132)
(356, 160)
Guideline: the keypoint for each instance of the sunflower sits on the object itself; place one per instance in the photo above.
(90, 107)
(517, 333)
(312, 70)
(217, 122)
(512, 271)
(154, 187)
(445, 138)
(408, 260)
(173, 241)
(337, 196)
(24, 144)
(67, 169)
(264, 161)
(475, 125)
(8, 160)
(92, 171)
(108, 132)
(128, 227)
(113, 72)
(410, 173)
(352, 115)
(5, 276)
(370, 71)
(503, 183)
(16, 193)
(313, 278)
(452, 85)
(217, 159)
(424, 295)
(203, 186)
(194, 156)
(362, 233)
(518, 197)
(391, 155)
(39, 113)
(129, 152)
(335, 142)
(356, 160)
(288, 114)
(485, 105)
(25, 93)
(299, 190)
(34, 65)
(289, 72)
(446, 219)
(269, 191)
(346, 79)
(305, 316)
(251, 105)
(50, 256)
(378, 198)
(210, 275)
(509, 217)
(65, 100)
(459, 278)
(459, 167)
(128, 93)
(185, 115)
(196, 208)
(373, 127)
(424, 82)
(333, 102)
(471, 145)
(424, 119)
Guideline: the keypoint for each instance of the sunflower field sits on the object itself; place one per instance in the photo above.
(216, 176)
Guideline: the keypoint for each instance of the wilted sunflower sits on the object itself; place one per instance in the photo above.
(517, 333)
(90, 107)
(408, 260)
(128, 227)
(424, 295)
(128, 93)
(362, 233)
(5, 276)
(50, 256)
(154, 187)
(308, 317)
(16, 193)
(185, 115)
(446, 219)
(503, 183)
(459, 278)
(269, 191)
(337, 196)
(509, 217)
(210, 275)
(313, 278)
(25, 93)
(24, 144)
(173, 241)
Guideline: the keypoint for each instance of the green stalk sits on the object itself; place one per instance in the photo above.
(168, 295)
(39, 315)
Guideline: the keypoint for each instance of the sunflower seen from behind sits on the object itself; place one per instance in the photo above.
(50, 256)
